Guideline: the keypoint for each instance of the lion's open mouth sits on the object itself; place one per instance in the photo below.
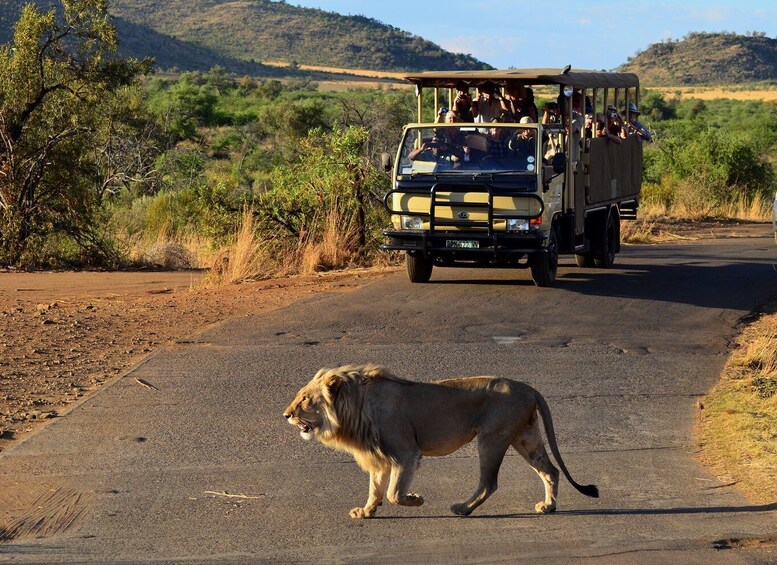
(304, 427)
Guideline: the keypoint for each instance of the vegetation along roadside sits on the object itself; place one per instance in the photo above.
(737, 422)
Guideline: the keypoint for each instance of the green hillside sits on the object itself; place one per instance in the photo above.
(263, 30)
(139, 41)
(707, 58)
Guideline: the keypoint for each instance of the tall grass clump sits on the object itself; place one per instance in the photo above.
(246, 257)
(336, 246)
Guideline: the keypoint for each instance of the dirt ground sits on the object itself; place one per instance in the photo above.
(64, 334)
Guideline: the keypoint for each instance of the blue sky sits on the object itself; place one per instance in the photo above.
(590, 34)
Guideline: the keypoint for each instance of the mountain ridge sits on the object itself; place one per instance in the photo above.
(703, 58)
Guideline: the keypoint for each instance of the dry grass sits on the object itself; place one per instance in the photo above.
(715, 93)
(247, 258)
(341, 71)
(755, 209)
(336, 249)
(253, 257)
(659, 223)
(350, 85)
(164, 250)
(737, 427)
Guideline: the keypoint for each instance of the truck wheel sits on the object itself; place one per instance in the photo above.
(605, 258)
(545, 265)
(584, 259)
(419, 268)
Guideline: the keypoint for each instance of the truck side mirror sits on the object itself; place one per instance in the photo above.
(385, 160)
(559, 163)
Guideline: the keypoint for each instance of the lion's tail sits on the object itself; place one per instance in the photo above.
(544, 409)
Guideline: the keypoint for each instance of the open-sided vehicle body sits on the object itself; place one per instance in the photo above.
(514, 194)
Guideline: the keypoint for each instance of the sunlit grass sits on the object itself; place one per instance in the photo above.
(714, 93)
(336, 247)
(658, 222)
(738, 423)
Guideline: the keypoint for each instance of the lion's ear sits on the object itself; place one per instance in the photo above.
(332, 383)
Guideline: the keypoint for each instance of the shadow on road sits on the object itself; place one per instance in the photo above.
(603, 512)
(695, 281)
(667, 511)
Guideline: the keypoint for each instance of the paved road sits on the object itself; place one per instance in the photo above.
(621, 355)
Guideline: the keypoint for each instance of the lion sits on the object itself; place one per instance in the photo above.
(387, 423)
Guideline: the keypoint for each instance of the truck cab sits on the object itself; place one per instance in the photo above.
(513, 195)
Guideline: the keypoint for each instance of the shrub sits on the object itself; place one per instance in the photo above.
(709, 170)
(334, 175)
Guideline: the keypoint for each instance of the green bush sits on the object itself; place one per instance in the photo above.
(719, 166)
(713, 153)
(332, 174)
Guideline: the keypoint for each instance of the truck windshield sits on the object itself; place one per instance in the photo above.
(453, 149)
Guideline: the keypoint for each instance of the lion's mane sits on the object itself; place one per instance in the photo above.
(350, 404)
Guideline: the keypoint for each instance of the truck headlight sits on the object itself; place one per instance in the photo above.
(411, 223)
(514, 225)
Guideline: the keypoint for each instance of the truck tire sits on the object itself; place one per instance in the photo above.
(605, 257)
(419, 268)
(545, 265)
(584, 259)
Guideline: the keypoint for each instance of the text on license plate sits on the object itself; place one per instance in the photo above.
(462, 243)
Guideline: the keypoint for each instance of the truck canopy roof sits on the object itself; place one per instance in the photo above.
(576, 78)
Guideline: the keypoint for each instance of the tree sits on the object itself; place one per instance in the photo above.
(126, 145)
(53, 78)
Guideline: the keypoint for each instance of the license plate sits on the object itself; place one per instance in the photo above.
(462, 244)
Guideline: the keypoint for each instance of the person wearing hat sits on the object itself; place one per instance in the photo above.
(487, 107)
(524, 143)
(633, 126)
(462, 105)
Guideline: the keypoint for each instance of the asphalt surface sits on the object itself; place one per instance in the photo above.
(203, 467)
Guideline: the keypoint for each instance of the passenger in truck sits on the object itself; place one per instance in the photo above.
(634, 127)
(516, 104)
(524, 143)
(452, 136)
(437, 151)
(603, 128)
(462, 104)
(497, 142)
(487, 106)
(615, 122)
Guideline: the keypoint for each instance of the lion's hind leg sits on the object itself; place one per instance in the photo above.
(491, 454)
(379, 480)
(530, 445)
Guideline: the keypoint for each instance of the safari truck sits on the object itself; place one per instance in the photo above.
(514, 195)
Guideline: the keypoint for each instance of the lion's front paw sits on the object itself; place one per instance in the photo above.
(461, 509)
(359, 513)
(544, 508)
